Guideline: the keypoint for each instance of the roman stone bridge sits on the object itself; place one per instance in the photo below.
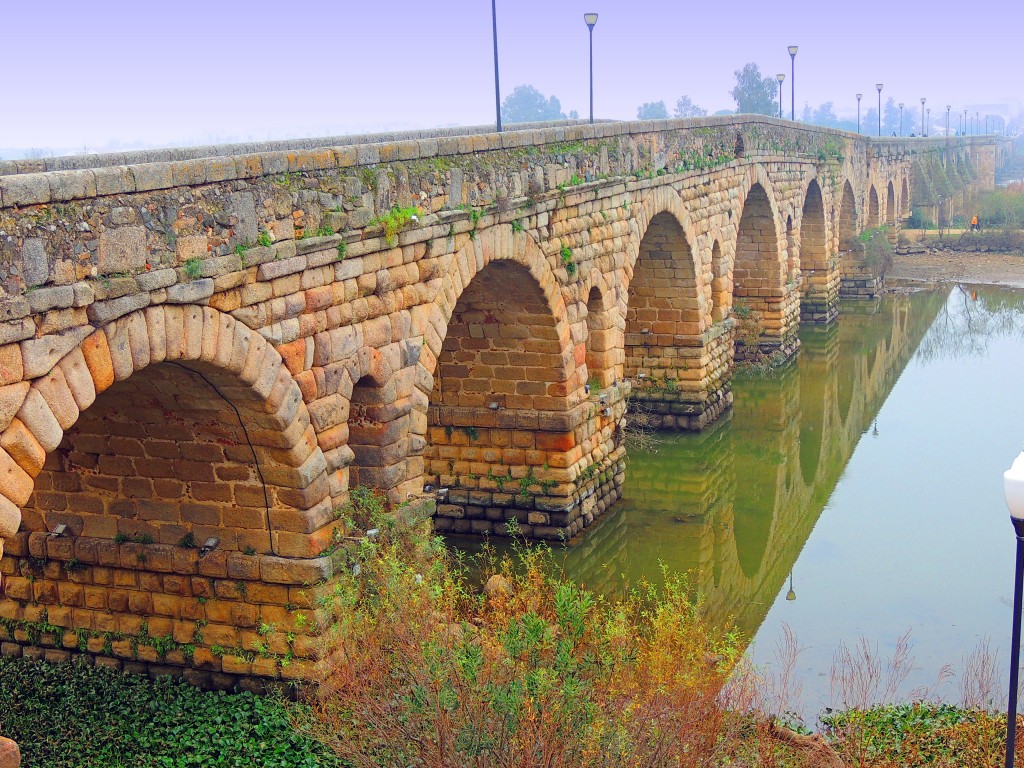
(218, 343)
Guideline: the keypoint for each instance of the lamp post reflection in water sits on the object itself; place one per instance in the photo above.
(791, 595)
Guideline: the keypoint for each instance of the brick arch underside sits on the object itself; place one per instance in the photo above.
(132, 433)
(813, 235)
(506, 416)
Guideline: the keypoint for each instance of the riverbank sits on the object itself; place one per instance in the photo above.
(945, 266)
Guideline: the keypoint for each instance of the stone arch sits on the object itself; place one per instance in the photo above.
(847, 218)
(193, 375)
(504, 384)
(378, 426)
(601, 337)
(794, 251)
(664, 302)
(874, 215)
(905, 198)
(757, 266)
(813, 239)
(890, 205)
(721, 284)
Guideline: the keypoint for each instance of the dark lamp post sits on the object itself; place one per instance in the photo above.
(781, 77)
(792, 82)
(859, 97)
(923, 100)
(901, 119)
(948, 107)
(1013, 491)
(965, 121)
(497, 87)
(879, 87)
(591, 19)
(791, 595)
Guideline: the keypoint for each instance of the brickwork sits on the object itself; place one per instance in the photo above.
(221, 346)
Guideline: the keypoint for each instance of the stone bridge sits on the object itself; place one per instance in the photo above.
(218, 343)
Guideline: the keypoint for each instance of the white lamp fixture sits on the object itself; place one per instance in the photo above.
(1013, 488)
(1013, 492)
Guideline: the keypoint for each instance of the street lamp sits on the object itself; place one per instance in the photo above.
(781, 78)
(923, 100)
(859, 96)
(792, 82)
(965, 120)
(948, 107)
(977, 122)
(929, 111)
(591, 19)
(879, 87)
(497, 87)
(1013, 491)
(901, 119)
(791, 595)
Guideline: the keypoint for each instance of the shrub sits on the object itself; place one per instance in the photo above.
(424, 670)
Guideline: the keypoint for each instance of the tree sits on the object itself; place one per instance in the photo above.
(652, 110)
(686, 108)
(528, 105)
(754, 94)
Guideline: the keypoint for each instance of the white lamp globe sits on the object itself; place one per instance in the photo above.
(1013, 488)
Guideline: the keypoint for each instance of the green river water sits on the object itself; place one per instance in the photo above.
(856, 493)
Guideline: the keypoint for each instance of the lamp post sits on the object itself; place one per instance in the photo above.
(792, 82)
(591, 19)
(879, 87)
(497, 87)
(965, 119)
(923, 100)
(791, 595)
(901, 119)
(859, 96)
(977, 122)
(929, 123)
(1013, 491)
(781, 77)
(948, 107)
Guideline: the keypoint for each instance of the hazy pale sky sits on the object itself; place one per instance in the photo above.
(85, 74)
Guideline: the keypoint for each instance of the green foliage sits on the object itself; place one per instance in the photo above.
(1003, 208)
(568, 261)
(517, 225)
(652, 110)
(395, 220)
(113, 720)
(917, 734)
(686, 108)
(194, 268)
(753, 94)
(342, 250)
(324, 231)
(188, 541)
(264, 239)
(528, 105)
(540, 672)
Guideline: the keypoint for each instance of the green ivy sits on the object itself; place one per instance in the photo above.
(108, 719)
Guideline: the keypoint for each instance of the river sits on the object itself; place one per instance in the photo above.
(856, 493)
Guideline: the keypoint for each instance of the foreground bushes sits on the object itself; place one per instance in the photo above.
(424, 670)
(77, 716)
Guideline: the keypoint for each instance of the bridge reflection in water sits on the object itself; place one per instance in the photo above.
(734, 505)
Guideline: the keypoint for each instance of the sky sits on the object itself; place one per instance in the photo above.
(107, 74)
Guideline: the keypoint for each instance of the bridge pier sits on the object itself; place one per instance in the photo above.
(692, 393)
